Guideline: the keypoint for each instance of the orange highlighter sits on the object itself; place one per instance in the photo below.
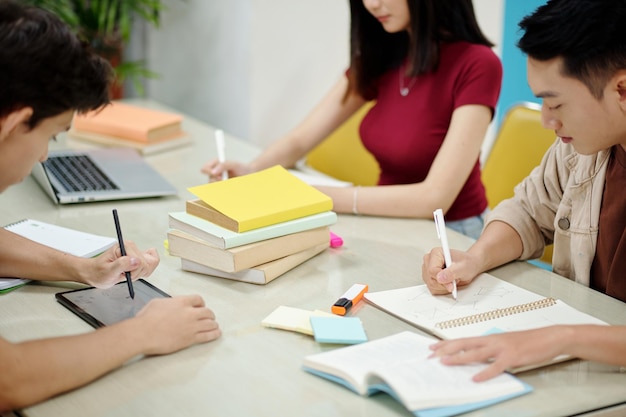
(350, 298)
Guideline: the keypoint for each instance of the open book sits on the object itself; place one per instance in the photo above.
(487, 305)
(400, 366)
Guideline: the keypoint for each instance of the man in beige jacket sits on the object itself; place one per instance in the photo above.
(577, 65)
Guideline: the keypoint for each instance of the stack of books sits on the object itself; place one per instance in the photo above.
(122, 124)
(252, 228)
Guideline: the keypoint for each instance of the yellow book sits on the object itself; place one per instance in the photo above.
(260, 199)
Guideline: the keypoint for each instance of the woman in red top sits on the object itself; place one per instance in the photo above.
(436, 82)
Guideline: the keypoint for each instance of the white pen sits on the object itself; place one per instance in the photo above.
(221, 150)
(440, 224)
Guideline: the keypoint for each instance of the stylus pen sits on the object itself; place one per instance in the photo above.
(441, 233)
(221, 150)
(129, 281)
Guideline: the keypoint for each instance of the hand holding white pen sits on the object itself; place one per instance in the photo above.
(221, 150)
(443, 236)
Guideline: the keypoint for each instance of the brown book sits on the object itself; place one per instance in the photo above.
(247, 256)
(201, 209)
(130, 122)
(261, 274)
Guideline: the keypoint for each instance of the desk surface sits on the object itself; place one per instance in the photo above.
(252, 370)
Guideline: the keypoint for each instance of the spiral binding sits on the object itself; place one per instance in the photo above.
(494, 314)
(8, 226)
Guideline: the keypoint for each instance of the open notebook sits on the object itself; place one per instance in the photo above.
(67, 240)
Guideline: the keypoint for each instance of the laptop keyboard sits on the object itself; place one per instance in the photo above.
(78, 173)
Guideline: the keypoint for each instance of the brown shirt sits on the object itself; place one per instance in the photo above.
(608, 271)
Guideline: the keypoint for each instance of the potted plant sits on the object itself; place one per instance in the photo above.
(106, 25)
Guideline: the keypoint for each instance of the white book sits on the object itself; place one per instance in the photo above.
(400, 365)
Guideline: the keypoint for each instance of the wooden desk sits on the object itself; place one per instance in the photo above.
(256, 371)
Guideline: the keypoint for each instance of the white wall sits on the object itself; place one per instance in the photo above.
(255, 67)
(251, 67)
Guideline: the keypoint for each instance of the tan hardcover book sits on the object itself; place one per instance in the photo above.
(201, 209)
(247, 256)
(131, 122)
(261, 274)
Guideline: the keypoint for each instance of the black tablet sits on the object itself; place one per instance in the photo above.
(102, 307)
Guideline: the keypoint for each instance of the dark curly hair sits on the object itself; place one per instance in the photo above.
(43, 65)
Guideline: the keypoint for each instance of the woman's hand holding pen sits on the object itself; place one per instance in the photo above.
(439, 279)
(108, 269)
(214, 169)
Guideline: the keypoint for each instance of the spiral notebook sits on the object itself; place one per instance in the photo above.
(64, 239)
(488, 305)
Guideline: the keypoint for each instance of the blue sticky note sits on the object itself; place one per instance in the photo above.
(345, 330)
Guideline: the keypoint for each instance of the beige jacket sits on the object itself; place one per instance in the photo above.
(559, 202)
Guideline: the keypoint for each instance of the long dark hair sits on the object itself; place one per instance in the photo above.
(373, 51)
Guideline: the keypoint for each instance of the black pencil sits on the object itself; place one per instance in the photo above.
(129, 281)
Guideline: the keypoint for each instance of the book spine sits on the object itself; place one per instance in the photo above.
(211, 215)
(247, 256)
(180, 224)
(186, 246)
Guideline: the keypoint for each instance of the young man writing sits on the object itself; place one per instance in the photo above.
(46, 74)
(577, 65)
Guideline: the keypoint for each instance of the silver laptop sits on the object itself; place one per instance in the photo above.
(78, 176)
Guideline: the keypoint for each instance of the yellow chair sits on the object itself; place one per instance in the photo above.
(520, 145)
(343, 156)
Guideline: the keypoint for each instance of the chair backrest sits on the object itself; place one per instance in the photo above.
(343, 156)
(519, 147)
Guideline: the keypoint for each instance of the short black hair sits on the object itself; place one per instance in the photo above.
(589, 36)
(45, 66)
